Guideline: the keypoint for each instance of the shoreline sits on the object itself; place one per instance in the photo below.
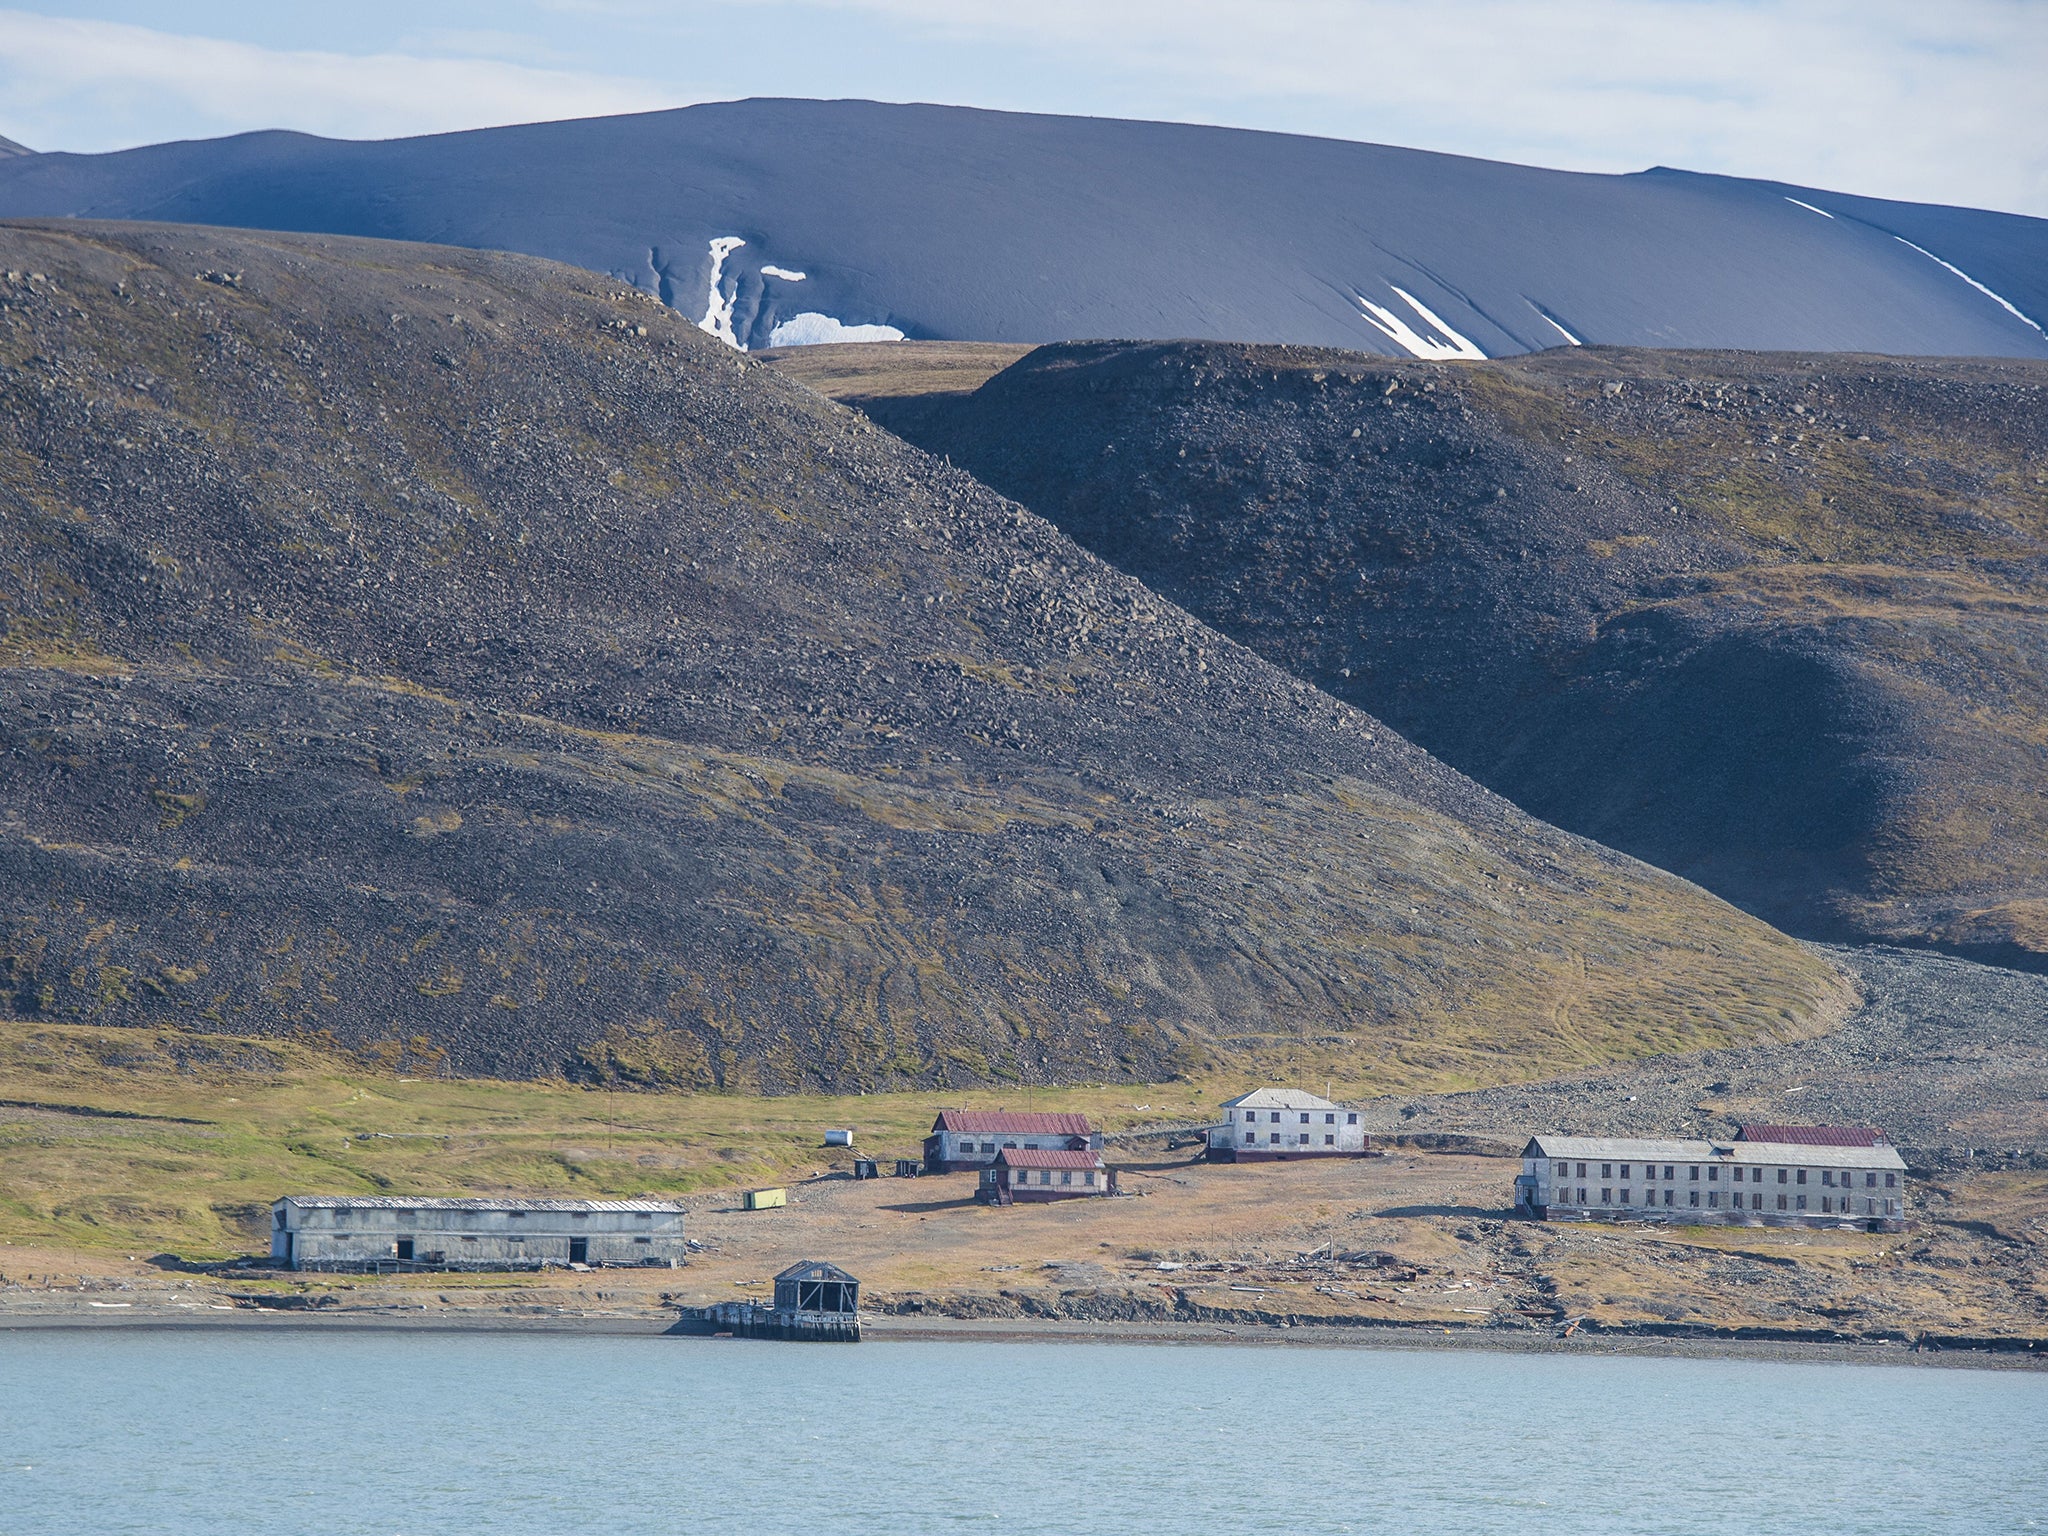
(888, 1328)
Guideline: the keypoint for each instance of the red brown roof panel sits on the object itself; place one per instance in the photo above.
(1008, 1122)
(1814, 1135)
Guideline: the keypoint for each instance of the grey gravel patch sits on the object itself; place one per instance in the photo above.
(1948, 1056)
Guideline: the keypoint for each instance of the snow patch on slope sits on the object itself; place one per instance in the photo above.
(1809, 207)
(2003, 303)
(718, 309)
(812, 329)
(784, 273)
(1450, 348)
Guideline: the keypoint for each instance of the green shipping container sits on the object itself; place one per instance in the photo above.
(765, 1199)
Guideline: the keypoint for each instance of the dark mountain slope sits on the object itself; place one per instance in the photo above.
(464, 655)
(949, 223)
(1777, 624)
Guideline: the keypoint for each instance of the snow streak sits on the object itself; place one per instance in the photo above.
(718, 310)
(2001, 301)
(812, 329)
(1454, 348)
(1809, 207)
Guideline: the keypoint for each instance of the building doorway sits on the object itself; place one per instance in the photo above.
(403, 1248)
(579, 1250)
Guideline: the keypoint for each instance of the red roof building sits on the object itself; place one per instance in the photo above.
(1814, 1135)
(1035, 1176)
(968, 1139)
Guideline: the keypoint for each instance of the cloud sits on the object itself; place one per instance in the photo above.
(92, 85)
(1892, 97)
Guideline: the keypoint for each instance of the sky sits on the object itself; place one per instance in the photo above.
(1931, 100)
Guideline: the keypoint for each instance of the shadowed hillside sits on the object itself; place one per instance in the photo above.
(466, 657)
(1778, 624)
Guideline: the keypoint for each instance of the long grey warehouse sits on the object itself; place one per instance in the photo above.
(358, 1232)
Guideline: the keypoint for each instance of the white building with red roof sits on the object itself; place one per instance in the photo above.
(964, 1140)
(1021, 1177)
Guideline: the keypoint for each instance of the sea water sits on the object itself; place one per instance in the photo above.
(177, 1433)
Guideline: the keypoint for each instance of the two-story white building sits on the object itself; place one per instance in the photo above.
(1736, 1182)
(1278, 1124)
(963, 1140)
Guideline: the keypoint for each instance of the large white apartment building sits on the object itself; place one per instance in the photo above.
(1758, 1183)
(1273, 1124)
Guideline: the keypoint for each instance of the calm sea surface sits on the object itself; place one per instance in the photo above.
(418, 1434)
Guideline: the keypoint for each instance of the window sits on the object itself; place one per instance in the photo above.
(1582, 1170)
(1713, 1173)
(1251, 1137)
(1781, 1202)
(1670, 1172)
(1756, 1202)
(1329, 1141)
(1607, 1197)
(1694, 1172)
(1624, 1194)
(1713, 1197)
(1329, 1119)
(1668, 1195)
(1695, 1197)
(1891, 1181)
(1827, 1176)
(1827, 1203)
(1351, 1119)
(1582, 1198)
(1781, 1175)
(1066, 1175)
(1624, 1170)
(1304, 1119)
(1607, 1170)
(1802, 1202)
(1276, 1117)
(1735, 1174)
(1087, 1175)
(1563, 1170)
(516, 1215)
(1802, 1180)
(1870, 1181)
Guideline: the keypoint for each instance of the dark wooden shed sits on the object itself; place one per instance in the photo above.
(815, 1286)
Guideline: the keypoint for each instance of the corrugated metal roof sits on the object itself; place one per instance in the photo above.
(1277, 1098)
(1813, 1135)
(430, 1203)
(1024, 1157)
(1619, 1149)
(816, 1269)
(1011, 1122)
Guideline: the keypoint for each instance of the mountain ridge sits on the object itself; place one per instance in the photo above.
(778, 215)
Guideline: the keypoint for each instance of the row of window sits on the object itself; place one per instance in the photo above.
(1023, 1176)
(1279, 1139)
(1251, 1117)
(1029, 1146)
(1842, 1205)
(1828, 1176)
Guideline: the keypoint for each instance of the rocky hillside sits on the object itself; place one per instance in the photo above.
(1778, 624)
(467, 659)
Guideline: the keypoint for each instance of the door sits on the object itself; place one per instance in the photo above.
(579, 1250)
(404, 1248)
